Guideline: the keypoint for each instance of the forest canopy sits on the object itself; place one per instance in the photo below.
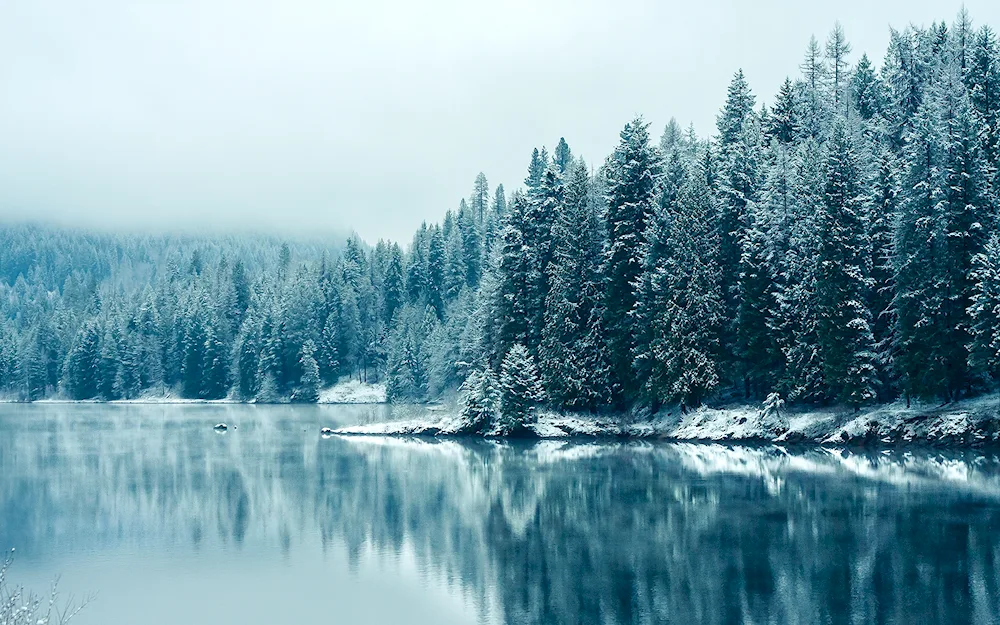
(836, 244)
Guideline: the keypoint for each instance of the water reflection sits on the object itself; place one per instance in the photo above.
(547, 532)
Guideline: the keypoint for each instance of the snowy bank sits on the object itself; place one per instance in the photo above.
(353, 392)
(972, 422)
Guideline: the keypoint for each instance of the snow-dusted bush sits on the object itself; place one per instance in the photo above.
(21, 607)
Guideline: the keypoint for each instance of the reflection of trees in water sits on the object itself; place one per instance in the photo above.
(548, 532)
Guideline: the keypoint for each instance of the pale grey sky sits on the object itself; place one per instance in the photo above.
(319, 115)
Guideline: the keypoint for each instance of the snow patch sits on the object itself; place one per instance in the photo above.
(966, 423)
(353, 392)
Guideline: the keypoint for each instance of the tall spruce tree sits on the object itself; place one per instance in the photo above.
(633, 175)
(846, 342)
(681, 300)
(572, 357)
(984, 350)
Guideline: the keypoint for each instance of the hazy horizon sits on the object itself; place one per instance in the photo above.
(310, 119)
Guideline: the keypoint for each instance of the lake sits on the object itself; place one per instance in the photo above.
(168, 521)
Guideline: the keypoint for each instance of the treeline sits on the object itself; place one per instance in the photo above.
(838, 245)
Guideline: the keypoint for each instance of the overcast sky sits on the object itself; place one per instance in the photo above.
(318, 115)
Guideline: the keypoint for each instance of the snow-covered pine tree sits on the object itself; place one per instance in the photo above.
(108, 366)
(572, 357)
(756, 307)
(633, 175)
(562, 157)
(480, 410)
(944, 218)
(520, 392)
(837, 50)
(454, 279)
(983, 80)
(216, 382)
(739, 188)
(536, 169)
(480, 199)
(471, 245)
(681, 299)
(81, 371)
(672, 137)
(881, 222)
(984, 350)
(435, 271)
(307, 390)
(846, 342)
(796, 319)
(129, 379)
(968, 217)
(783, 123)
(515, 277)
(904, 76)
(815, 104)
(868, 99)
(246, 356)
(543, 208)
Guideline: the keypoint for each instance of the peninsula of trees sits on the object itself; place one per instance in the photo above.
(838, 244)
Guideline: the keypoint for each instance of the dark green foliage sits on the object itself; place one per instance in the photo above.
(520, 392)
(633, 177)
(307, 390)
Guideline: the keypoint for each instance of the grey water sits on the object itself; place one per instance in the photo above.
(168, 521)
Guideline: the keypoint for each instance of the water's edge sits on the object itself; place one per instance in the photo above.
(970, 423)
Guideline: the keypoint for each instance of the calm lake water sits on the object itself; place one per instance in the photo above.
(171, 522)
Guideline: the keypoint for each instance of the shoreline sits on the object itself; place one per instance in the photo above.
(969, 423)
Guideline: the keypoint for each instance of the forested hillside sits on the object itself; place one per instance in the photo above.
(836, 244)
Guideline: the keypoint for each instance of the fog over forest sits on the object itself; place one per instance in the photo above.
(326, 117)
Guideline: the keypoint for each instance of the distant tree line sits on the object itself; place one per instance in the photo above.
(837, 246)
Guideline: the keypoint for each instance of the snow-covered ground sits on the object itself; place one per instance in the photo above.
(966, 423)
(353, 392)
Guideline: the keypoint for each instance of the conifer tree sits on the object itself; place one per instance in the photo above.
(435, 271)
(515, 277)
(681, 301)
(543, 210)
(480, 401)
(815, 104)
(480, 198)
(108, 366)
(308, 387)
(944, 217)
(471, 247)
(536, 169)
(633, 178)
(846, 342)
(81, 372)
(783, 123)
(562, 157)
(837, 49)
(572, 357)
(866, 90)
(520, 392)
(983, 78)
(215, 383)
(984, 350)
(393, 285)
(246, 356)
